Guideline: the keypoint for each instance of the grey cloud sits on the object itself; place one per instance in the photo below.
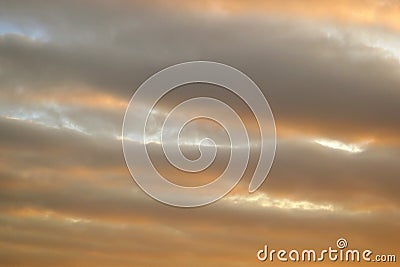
(308, 78)
(301, 171)
(316, 85)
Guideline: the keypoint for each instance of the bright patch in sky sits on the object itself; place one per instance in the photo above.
(44, 119)
(263, 200)
(76, 220)
(386, 42)
(34, 33)
(334, 144)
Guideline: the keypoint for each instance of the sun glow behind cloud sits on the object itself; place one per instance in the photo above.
(263, 200)
(334, 144)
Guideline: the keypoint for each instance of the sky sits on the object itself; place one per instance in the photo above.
(330, 71)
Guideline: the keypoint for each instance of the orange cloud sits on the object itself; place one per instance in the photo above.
(363, 12)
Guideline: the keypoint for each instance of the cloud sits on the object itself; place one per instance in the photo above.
(69, 68)
(301, 69)
(302, 171)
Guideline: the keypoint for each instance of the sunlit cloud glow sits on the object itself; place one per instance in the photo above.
(334, 144)
(329, 70)
(263, 200)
